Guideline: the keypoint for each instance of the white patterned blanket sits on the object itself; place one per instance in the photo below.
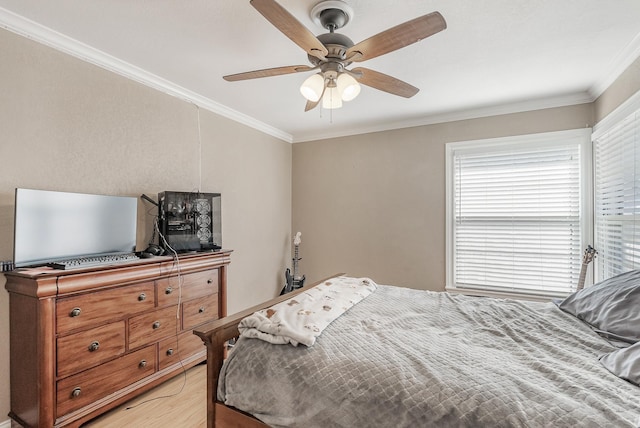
(303, 317)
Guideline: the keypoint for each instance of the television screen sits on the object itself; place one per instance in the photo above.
(52, 226)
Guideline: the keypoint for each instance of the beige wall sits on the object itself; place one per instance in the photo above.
(374, 205)
(70, 126)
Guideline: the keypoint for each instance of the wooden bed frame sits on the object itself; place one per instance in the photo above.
(215, 336)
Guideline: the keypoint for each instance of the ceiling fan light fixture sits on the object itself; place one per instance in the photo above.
(312, 87)
(348, 87)
(331, 98)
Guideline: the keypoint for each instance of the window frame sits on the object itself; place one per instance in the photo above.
(606, 125)
(580, 136)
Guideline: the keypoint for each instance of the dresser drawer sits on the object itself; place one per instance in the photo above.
(153, 326)
(84, 388)
(173, 349)
(89, 348)
(194, 285)
(198, 311)
(90, 309)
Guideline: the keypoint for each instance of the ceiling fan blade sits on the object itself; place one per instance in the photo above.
(311, 105)
(385, 83)
(397, 37)
(267, 72)
(290, 27)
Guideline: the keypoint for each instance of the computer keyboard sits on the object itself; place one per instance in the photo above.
(83, 262)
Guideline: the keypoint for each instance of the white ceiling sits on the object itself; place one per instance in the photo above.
(496, 56)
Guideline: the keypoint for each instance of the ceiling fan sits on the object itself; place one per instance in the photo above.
(331, 53)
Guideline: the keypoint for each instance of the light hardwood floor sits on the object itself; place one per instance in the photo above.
(175, 408)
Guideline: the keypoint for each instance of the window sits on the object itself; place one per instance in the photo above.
(616, 143)
(517, 213)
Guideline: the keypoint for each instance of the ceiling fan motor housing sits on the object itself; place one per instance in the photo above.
(336, 44)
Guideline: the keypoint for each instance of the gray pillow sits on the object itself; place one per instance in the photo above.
(624, 363)
(611, 307)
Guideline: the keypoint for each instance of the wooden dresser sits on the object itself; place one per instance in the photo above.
(87, 340)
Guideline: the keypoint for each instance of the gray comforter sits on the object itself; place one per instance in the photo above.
(408, 358)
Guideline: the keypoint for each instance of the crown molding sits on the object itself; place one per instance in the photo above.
(621, 62)
(46, 36)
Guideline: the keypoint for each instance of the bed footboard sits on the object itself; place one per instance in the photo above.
(215, 336)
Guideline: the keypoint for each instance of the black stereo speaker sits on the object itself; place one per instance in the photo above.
(190, 221)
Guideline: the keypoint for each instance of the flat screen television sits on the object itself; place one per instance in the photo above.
(52, 226)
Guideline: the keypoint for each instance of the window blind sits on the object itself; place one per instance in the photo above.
(516, 217)
(617, 197)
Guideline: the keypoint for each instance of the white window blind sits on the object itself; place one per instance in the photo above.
(617, 197)
(516, 223)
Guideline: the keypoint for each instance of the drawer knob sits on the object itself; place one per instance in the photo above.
(201, 309)
(142, 364)
(209, 281)
(170, 351)
(142, 297)
(168, 290)
(156, 325)
(94, 346)
(75, 312)
(76, 392)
